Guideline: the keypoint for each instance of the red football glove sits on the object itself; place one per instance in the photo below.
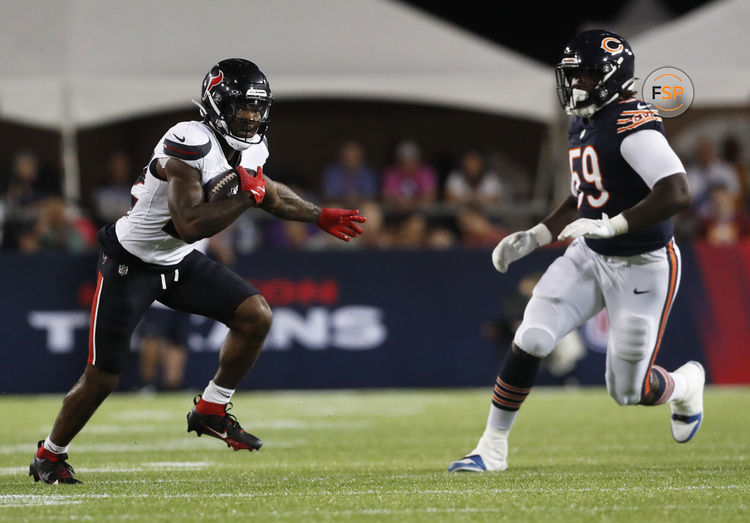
(341, 223)
(256, 185)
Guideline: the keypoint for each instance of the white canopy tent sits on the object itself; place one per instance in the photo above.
(711, 45)
(69, 64)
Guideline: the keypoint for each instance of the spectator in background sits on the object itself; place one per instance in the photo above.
(411, 233)
(282, 236)
(378, 234)
(60, 228)
(731, 153)
(409, 181)
(709, 170)
(20, 201)
(350, 179)
(163, 334)
(112, 199)
(472, 184)
(726, 222)
(476, 230)
(440, 238)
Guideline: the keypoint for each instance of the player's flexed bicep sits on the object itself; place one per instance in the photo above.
(193, 218)
(648, 153)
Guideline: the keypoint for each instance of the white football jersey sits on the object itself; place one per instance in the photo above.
(146, 231)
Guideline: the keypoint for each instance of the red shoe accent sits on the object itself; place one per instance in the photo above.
(236, 445)
(43, 453)
(204, 408)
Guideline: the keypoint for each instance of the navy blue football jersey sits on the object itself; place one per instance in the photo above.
(604, 182)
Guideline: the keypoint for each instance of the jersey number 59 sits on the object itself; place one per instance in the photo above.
(588, 161)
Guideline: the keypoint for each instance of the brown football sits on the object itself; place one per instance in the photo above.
(222, 186)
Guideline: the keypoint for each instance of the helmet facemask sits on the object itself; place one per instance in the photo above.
(242, 120)
(582, 90)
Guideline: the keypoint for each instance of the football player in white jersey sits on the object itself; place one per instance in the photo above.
(147, 255)
(626, 185)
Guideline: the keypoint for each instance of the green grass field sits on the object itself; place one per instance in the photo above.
(382, 456)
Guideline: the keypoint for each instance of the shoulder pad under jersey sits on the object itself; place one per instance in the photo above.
(187, 141)
(635, 115)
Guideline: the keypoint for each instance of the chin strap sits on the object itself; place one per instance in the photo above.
(234, 143)
(589, 110)
(202, 109)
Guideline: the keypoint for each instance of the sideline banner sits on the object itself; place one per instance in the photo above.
(342, 319)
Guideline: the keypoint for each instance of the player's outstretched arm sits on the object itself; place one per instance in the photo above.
(284, 203)
(192, 217)
(521, 243)
(281, 201)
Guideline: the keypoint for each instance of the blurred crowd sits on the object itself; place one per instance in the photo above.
(409, 204)
(720, 187)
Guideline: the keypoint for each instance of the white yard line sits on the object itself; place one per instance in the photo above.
(184, 443)
(143, 467)
(470, 491)
(34, 500)
(141, 426)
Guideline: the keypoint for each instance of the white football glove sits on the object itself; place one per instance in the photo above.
(519, 244)
(596, 229)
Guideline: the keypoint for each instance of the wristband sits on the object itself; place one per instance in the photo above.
(619, 224)
(541, 233)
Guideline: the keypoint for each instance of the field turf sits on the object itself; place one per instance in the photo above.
(382, 456)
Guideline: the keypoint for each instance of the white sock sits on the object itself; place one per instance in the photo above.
(215, 394)
(680, 387)
(491, 442)
(500, 419)
(57, 449)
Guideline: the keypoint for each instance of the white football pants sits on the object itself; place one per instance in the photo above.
(637, 291)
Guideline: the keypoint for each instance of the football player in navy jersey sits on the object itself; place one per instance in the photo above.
(626, 184)
(148, 255)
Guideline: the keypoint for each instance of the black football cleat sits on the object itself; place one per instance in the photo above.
(52, 472)
(226, 428)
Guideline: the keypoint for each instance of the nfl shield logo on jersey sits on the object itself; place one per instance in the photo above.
(122, 270)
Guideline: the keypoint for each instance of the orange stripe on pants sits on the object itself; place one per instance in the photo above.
(671, 291)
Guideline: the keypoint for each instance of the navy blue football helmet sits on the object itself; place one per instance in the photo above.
(236, 102)
(597, 67)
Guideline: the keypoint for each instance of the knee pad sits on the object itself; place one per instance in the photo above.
(632, 338)
(536, 341)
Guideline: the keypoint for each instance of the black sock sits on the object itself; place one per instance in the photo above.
(514, 379)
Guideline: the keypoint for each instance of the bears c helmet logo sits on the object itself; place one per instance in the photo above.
(612, 45)
(607, 59)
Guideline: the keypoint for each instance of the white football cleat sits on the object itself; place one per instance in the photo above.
(491, 454)
(687, 414)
